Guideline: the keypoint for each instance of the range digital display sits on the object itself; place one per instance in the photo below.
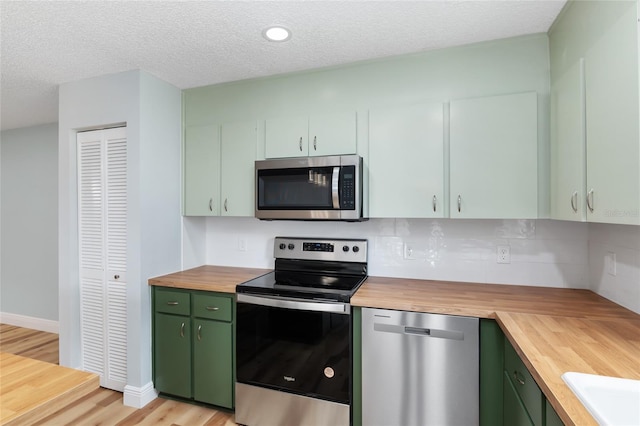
(327, 247)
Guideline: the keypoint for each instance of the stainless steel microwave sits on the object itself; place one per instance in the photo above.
(310, 188)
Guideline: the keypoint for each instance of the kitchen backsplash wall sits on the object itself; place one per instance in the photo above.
(543, 252)
(622, 282)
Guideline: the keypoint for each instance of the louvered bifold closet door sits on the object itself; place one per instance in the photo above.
(102, 166)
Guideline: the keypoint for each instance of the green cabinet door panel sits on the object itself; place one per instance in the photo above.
(551, 417)
(406, 161)
(172, 354)
(238, 145)
(494, 157)
(515, 413)
(201, 171)
(491, 370)
(524, 385)
(213, 362)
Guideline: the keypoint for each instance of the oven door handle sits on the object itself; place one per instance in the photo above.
(301, 305)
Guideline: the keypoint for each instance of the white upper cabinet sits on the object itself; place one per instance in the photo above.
(326, 134)
(406, 161)
(613, 144)
(595, 134)
(494, 157)
(201, 170)
(238, 154)
(568, 155)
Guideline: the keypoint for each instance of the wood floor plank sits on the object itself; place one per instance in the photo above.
(103, 407)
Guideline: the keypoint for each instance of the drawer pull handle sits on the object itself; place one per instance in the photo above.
(212, 308)
(173, 303)
(517, 377)
(199, 336)
(182, 330)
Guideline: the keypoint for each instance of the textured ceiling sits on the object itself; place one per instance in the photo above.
(197, 43)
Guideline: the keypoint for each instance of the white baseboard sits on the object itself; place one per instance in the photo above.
(33, 323)
(139, 397)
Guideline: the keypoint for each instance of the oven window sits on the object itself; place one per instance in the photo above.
(303, 352)
(295, 189)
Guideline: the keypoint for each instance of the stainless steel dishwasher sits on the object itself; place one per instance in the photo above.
(419, 369)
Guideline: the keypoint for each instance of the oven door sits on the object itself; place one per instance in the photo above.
(297, 346)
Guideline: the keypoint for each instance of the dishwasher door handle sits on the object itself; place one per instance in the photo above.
(419, 331)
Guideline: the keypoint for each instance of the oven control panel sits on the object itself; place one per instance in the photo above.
(342, 250)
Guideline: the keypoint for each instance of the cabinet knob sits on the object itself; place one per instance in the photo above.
(315, 145)
(434, 203)
(459, 203)
(225, 205)
(300, 144)
(199, 335)
(210, 204)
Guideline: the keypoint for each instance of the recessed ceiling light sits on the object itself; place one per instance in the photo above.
(277, 34)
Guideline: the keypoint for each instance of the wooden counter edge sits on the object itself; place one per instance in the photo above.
(558, 406)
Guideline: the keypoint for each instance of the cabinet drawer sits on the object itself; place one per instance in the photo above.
(524, 384)
(172, 302)
(213, 306)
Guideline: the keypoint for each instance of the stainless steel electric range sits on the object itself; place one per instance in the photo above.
(294, 334)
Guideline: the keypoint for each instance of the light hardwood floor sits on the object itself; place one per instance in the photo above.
(103, 406)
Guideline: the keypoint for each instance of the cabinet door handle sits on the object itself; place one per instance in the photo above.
(199, 336)
(590, 200)
(459, 203)
(172, 303)
(434, 203)
(210, 204)
(300, 144)
(212, 308)
(225, 205)
(182, 330)
(517, 377)
(315, 145)
(574, 202)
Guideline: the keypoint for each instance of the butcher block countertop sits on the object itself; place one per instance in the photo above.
(553, 330)
(221, 279)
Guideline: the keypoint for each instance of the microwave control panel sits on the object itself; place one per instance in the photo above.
(348, 187)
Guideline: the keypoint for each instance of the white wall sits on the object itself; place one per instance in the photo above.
(623, 241)
(151, 110)
(29, 230)
(543, 252)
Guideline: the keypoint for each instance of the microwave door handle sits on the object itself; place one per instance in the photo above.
(335, 180)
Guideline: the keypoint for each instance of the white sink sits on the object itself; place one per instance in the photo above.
(610, 400)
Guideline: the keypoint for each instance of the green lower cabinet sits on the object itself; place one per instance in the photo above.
(193, 354)
(172, 354)
(515, 414)
(213, 362)
(491, 368)
(551, 417)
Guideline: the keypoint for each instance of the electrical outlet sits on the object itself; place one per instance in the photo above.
(409, 253)
(242, 244)
(504, 254)
(610, 262)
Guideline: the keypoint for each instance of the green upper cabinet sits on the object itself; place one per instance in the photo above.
(201, 171)
(322, 134)
(238, 142)
(595, 136)
(406, 161)
(494, 157)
